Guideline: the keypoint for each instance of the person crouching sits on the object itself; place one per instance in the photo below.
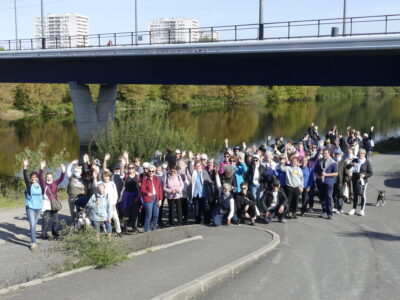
(100, 210)
(225, 207)
(275, 203)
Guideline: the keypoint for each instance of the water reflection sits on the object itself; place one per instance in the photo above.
(238, 123)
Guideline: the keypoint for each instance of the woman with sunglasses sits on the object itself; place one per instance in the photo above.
(130, 200)
(224, 163)
(152, 194)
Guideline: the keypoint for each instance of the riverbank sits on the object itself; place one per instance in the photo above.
(46, 99)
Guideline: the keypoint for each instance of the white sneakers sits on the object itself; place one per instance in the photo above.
(325, 216)
(353, 211)
(33, 246)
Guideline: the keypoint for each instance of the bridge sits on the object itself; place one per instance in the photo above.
(361, 58)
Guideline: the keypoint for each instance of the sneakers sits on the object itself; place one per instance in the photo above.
(329, 217)
(324, 215)
(352, 212)
(267, 220)
(294, 215)
(281, 220)
(310, 210)
(334, 210)
(362, 213)
(33, 246)
(252, 223)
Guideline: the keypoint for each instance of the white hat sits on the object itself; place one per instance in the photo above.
(256, 156)
(177, 151)
(146, 165)
(203, 156)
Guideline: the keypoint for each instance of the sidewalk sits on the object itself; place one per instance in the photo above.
(157, 272)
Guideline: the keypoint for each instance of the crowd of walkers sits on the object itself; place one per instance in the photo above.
(249, 183)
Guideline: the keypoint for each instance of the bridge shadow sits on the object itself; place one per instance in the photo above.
(373, 235)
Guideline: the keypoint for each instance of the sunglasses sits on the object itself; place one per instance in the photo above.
(151, 171)
(227, 155)
(130, 168)
(232, 161)
(203, 159)
(244, 188)
(255, 159)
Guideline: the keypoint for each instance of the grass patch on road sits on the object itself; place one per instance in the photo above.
(82, 249)
(390, 145)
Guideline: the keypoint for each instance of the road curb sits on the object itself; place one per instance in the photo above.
(50, 277)
(199, 285)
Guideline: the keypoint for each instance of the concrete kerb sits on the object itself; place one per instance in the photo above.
(199, 285)
(50, 277)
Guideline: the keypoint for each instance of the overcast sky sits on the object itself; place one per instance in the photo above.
(118, 15)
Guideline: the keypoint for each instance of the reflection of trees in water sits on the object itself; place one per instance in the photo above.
(238, 123)
(16, 135)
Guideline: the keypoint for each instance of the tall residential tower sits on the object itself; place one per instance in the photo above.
(174, 30)
(63, 30)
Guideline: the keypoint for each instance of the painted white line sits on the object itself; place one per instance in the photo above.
(49, 277)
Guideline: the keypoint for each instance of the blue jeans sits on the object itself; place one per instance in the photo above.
(151, 209)
(257, 193)
(97, 224)
(217, 218)
(33, 217)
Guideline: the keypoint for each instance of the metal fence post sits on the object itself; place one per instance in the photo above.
(56, 43)
(169, 36)
(261, 32)
(69, 41)
(386, 21)
(131, 38)
(235, 33)
(319, 27)
(150, 37)
(31, 44)
(190, 35)
(351, 26)
(98, 39)
(212, 34)
(288, 30)
(115, 39)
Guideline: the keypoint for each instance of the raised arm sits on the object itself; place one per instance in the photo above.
(61, 179)
(25, 172)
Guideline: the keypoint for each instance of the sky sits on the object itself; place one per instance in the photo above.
(107, 16)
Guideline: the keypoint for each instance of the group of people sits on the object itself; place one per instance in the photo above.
(249, 182)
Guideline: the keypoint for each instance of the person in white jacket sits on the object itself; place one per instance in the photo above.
(112, 194)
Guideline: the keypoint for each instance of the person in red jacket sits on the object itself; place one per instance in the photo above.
(49, 188)
(152, 194)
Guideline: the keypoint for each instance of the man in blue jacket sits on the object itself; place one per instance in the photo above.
(325, 173)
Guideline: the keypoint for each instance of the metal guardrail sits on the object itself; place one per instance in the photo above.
(317, 28)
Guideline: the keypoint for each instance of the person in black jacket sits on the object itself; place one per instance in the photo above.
(362, 170)
(275, 203)
(245, 204)
(256, 178)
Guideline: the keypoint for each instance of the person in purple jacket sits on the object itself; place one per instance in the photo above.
(49, 188)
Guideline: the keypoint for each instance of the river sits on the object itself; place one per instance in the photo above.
(249, 123)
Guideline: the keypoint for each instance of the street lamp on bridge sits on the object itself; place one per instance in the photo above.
(261, 21)
(16, 24)
(136, 24)
(42, 24)
(344, 16)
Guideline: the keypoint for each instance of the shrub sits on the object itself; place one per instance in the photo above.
(83, 249)
(141, 134)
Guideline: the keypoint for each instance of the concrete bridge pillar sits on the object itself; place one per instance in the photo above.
(90, 118)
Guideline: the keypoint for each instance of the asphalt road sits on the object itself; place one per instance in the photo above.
(349, 257)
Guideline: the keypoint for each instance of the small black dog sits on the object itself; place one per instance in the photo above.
(381, 198)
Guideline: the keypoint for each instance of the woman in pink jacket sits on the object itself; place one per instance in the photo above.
(173, 186)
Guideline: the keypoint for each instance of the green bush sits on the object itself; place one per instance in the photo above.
(83, 249)
(36, 156)
(142, 133)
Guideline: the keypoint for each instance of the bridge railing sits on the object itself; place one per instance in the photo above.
(316, 28)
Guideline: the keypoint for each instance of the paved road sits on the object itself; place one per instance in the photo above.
(350, 257)
(152, 274)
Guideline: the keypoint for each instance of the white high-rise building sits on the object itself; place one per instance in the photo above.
(209, 35)
(63, 30)
(173, 30)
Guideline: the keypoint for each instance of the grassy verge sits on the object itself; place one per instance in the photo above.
(83, 249)
(390, 145)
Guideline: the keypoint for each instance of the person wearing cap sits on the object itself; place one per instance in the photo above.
(325, 173)
(256, 178)
(367, 143)
(178, 154)
(236, 150)
(204, 159)
(338, 186)
(362, 171)
(275, 203)
(294, 184)
(157, 158)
